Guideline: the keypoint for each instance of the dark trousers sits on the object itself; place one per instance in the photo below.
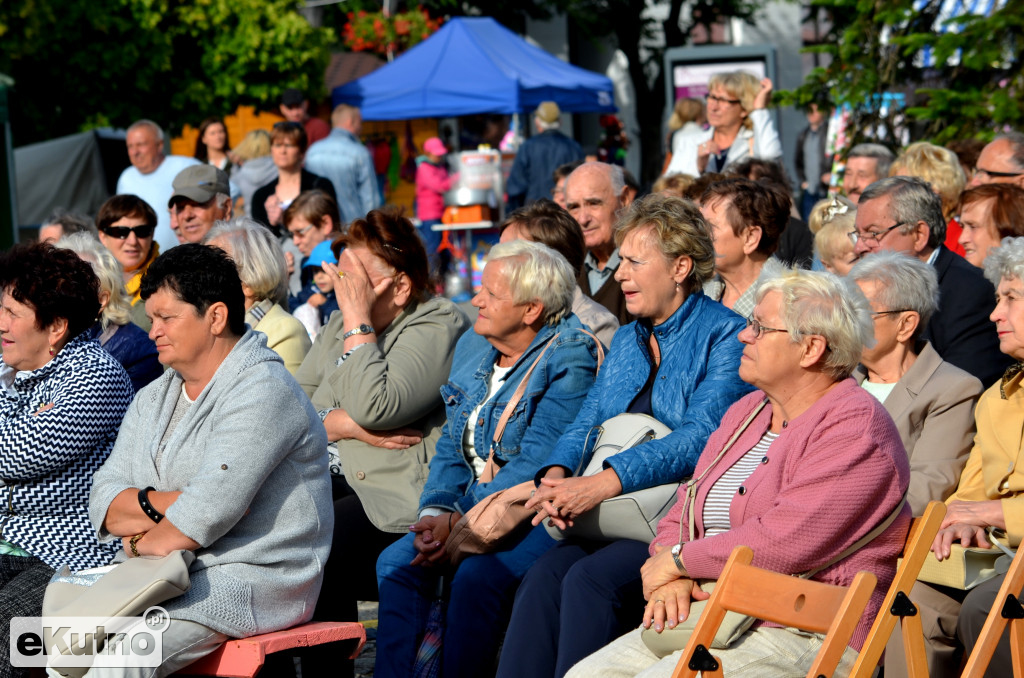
(973, 612)
(23, 581)
(576, 599)
(349, 576)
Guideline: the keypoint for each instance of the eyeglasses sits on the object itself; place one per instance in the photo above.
(875, 314)
(760, 330)
(997, 175)
(281, 144)
(720, 100)
(122, 232)
(873, 236)
(301, 232)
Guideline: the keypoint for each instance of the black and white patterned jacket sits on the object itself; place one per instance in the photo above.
(47, 458)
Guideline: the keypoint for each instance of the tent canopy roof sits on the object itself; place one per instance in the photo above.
(470, 66)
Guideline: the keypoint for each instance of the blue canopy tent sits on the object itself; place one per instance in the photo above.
(470, 66)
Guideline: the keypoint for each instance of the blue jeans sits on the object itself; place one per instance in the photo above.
(579, 597)
(482, 590)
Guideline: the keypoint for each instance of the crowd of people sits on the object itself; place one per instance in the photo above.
(176, 377)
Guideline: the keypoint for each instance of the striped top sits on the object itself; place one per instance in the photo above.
(716, 507)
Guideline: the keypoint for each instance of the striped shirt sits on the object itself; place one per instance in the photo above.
(721, 494)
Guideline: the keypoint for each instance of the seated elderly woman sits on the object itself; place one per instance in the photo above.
(375, 374)
(816, 466)
(676, 363)
(264, 275)
(990, 495)
(746, 219)
(831, 221)
(989, 213)
(126, 224)
(525, 335)
(741, 127)
(62, 398)
(127, 342)
(931, 401)
(211, 455)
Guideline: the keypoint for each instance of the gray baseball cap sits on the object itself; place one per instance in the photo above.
(199, 183)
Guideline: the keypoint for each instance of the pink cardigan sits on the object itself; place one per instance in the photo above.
(833, 474)
(431, 183)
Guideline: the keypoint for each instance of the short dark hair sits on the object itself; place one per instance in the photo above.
(549, 224)
(750, 203)
(1005, 207)
(200, 276)
(290, 131)
(393, 238)
(758, 169)
(313, 206)
(71, 222)
(696, 190)
(123, 206)
(562, 171)
(56, 283)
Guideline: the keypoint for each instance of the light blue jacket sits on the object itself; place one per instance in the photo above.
(343, 159)
(554, 393)
(697, 382)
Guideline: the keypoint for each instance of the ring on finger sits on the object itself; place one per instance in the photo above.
(659, 600)
(341, 274)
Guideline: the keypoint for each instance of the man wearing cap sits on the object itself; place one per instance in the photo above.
(295, 108)
(539, 156)
(151, 173)
(201, 197)
(343, 159)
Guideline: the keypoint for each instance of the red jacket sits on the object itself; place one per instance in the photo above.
(431, 182)
(833, 474)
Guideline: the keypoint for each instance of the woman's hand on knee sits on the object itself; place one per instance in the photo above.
(670, 604)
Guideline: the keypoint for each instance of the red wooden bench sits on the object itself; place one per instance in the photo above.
(243, 658)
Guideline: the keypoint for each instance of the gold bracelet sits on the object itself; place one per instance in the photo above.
(133, 541)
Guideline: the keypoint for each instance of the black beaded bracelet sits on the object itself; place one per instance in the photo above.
(147, 508)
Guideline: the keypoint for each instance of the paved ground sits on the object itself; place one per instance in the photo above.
(364, 663)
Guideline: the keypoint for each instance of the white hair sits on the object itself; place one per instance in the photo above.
(257, 255)
(535, 272)
(109, 272)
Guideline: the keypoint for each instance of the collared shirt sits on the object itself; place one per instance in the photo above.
(343, 159)
(744, 305)
(599, 276)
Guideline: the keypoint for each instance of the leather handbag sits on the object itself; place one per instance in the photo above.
(633, 515)
(126, 589)
(734, 624)
(500, 517)
(965, 568)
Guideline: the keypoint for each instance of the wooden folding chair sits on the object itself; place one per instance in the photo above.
(1006, 610)
(897, 605)
(783, 599)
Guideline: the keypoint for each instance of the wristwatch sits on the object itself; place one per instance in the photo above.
(677, 551)
(362, 329)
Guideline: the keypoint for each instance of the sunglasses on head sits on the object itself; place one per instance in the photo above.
(122, 232)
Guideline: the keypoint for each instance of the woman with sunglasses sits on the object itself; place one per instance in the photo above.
(126, 224)
(288, 143)
(741, 127)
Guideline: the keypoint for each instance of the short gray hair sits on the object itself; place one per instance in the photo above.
(1005, 261)
(535, 272)
(257, 255)
(911, 200)
(815, 302)
(904, 283)
(882, 156)
(153, 127)
(1016, 140)
(614, 172)
(70, 222)
(109, 272)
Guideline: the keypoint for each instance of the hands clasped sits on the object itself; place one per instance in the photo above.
(561, 500)
(431, 534)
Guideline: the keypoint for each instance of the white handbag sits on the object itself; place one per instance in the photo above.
(633, 515)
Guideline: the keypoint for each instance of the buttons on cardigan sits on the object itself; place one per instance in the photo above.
(360, 475)
(742, 490)
(480, 422)
(764, 459)
(223, 467)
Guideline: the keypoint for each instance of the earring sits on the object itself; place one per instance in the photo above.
(52, 352)
(678, 286)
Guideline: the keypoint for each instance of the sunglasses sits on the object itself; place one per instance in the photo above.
(122, 232)
(287, 124)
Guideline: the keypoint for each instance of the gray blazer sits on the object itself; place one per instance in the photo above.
(250, 458)
(933, 407)
(393, 383)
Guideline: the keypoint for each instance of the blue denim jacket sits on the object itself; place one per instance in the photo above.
(697, 382)
(554, 393)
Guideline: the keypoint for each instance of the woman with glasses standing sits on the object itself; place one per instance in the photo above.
(931, 401)
(741, 127)
(126, 224)
(288, 143)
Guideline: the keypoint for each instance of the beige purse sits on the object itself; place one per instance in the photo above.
(965, 568)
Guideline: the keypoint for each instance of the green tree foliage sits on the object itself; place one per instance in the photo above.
(973, 87)
(79, 64)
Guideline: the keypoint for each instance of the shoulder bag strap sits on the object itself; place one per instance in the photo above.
(862, 542)
(506, 414)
